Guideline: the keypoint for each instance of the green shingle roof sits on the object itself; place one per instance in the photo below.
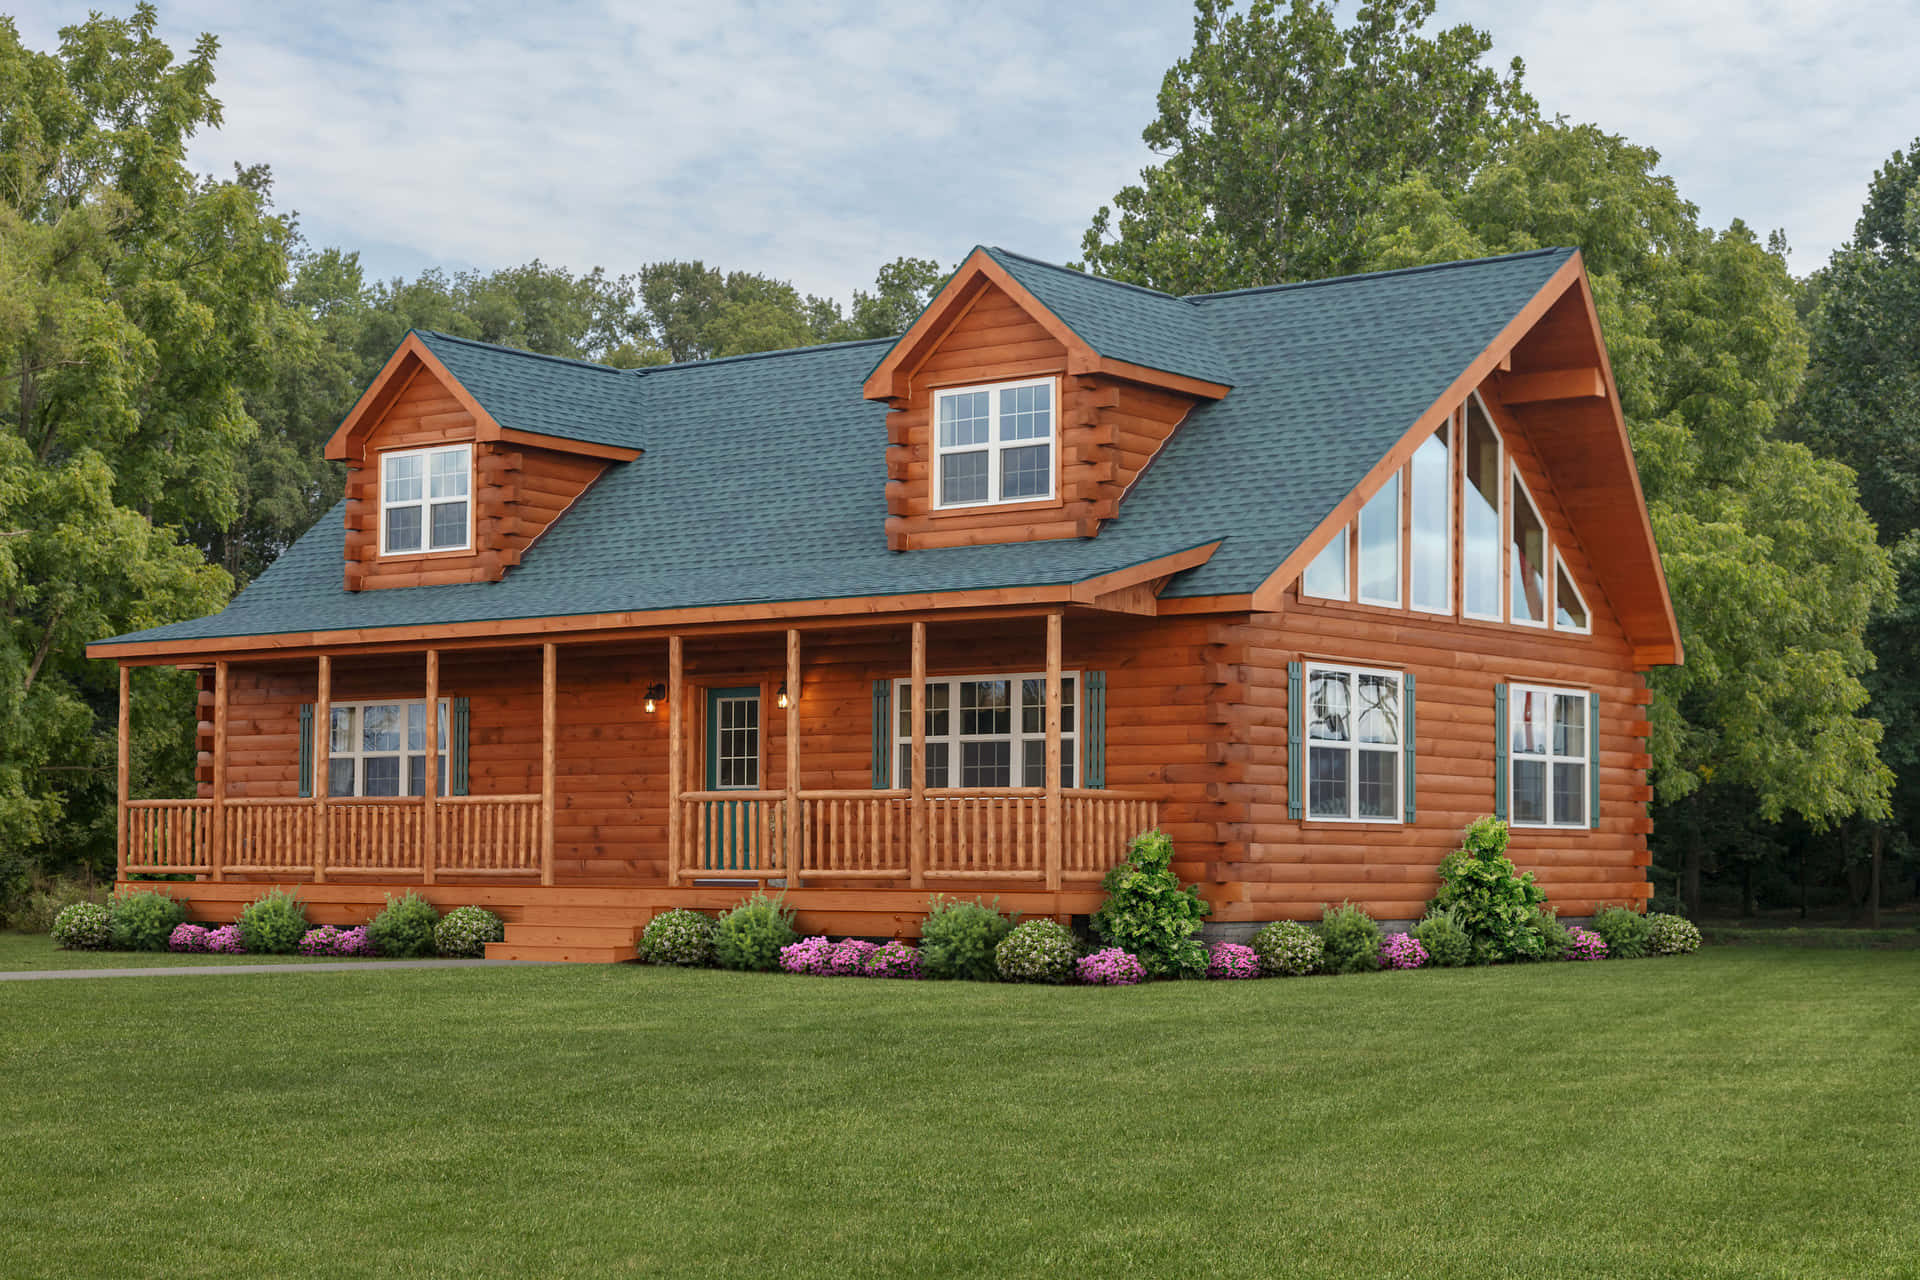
(763, 477)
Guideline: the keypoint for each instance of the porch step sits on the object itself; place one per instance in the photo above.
(563, 915)
(572, 952)
(597, 935)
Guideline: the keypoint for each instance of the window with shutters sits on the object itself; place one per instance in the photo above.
(1354, 743)
(1548, 749)
(986, 731)
(380, 749)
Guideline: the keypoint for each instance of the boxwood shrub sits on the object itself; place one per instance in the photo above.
(1288, 949)
(83, 926)
(1351, 938)
(1626, 933)
(403, 929)
(466, 931)
(958, 939)
(751, 935)
(1447, 944)
(273, 923)
(679, 936)
(1037, 951)
(144, 921)
(1671, 935)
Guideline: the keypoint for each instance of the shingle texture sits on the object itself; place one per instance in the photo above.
(763, 477)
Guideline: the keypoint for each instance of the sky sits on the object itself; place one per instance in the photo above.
(814, 140)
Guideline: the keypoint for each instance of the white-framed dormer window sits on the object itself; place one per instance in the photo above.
(1326, 577)
(380, 748)
(1547, 756)
(1527, 575)
(1354, 743)
(994, 444)
(985, 731)
(1569, 606)
(426, 500)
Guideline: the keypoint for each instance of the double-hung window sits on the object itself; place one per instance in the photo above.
(985, 731)
(993, 444)
(1354, 743)
(1548, 756)
(425, 500)
(380, 749)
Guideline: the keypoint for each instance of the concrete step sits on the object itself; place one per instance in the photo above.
(573, 952)
(597, 935)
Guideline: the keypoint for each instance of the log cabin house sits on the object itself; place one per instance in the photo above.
(1308, 576)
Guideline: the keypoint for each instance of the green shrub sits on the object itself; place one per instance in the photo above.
(750, 936)
(1626, 933)
(466, 931)
(1671, 935)
(679, 937)
(404, 928)
(1556, 940)
(1447, 944)
(1351, 939)
(1496, 906)
(144, 921)
(1288, 949)
(1037, 951)
(273, 923)
(959, 939)
(1148, 914)
(83, 926)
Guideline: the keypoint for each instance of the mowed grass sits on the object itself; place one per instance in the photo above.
(1736, 1113)
(35, 952)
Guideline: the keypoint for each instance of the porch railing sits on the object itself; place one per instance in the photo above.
(169, 836)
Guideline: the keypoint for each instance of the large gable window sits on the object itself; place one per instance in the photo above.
(425, 500)
(985, 731)
(380, 749)
(994, 444)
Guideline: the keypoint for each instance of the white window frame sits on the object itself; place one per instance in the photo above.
(1398, 481)
(1553, 611)
(1515, 701)
(1548, 550)
(1343, 540)
(953, 738)
(1353, 746)
(995, 447)
(1502, 530)
(359, 755)
(426, 501)
(1454, 426)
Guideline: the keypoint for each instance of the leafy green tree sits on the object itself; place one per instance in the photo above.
(1281, 132)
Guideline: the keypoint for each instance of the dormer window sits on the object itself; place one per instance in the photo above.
(424, 502)
(994, 444)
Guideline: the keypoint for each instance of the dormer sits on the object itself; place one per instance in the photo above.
(439, 488)
(1027, 398)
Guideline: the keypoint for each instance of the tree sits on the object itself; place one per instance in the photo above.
(1282, 131)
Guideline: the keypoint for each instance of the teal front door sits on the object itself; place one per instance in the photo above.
(733, 764)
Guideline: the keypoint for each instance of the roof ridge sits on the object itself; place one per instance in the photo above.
(517, 351)
(1378, 275)
(1086, 275)
(759, 355)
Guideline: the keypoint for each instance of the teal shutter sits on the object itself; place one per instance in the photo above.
(1093, 729)
(306, 751)
(882, 733)
(1407, 737)
(1295, 732)
(1500, 751)
(457, 721)
(1593, 761)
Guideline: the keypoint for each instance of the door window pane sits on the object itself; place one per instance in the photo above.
(1529, 559)
(1326, 577)
(1432, 527)
(1480, 516)
(1380, 545)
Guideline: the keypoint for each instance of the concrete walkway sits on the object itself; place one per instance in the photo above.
(345, 966)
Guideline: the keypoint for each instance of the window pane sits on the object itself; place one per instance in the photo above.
(403, 479)
(382, 775)
(1567, 609)
(340, 775)
(1326, 577)
(1570, 794)
(1033, 705)
(449, 473)
(1377, 789)
(416, 775)
(1529, 786)
(1033, 763)
(1026, 413)
(416, 726)
(939, 704)
(1570, 725)
(1432, 550)
(1379, 710)
(1529, 560)
(1480, 517)
(1327, 782)
(449, 525)
(1328, 706)
(937, 764)
(903, 767)
(963, 419)
(1027, 472)
(1066, 762)
(341, 738)
(985, 708)
(442, 718)
(986, 764)
(1380, 545)
(380, 727)
(403, 528)
(963, 478)
(1527, 710)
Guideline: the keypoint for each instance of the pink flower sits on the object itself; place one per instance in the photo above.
(1232, 960)
(1111, 968)
(188, 937)
(1402, 951)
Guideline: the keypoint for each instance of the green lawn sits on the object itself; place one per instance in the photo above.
(35, 951)
(1743, 1112)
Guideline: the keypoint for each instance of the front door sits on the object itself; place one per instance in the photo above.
(733, 764)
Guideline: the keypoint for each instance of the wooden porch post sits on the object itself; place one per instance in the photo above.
(217, 819)
(124, 771)
(323, 732)
(549, 663)
(674, 731)
(795, 845)
(1053, 751)
(917, 841)
(430, 803)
